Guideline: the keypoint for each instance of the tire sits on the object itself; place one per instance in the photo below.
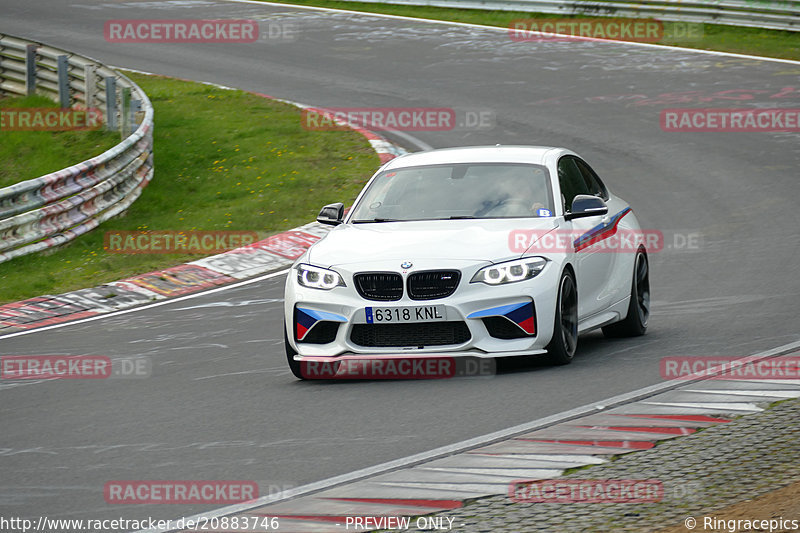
(564, 343)
(635, 324)
(294, 366)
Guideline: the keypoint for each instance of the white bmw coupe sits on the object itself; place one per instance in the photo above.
(475, 251)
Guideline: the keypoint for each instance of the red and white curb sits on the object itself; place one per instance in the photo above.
(441, 480)
(275, 252)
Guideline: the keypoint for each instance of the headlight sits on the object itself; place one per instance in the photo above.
(318, 278)
(510, 271)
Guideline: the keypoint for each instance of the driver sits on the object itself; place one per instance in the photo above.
(521, 194)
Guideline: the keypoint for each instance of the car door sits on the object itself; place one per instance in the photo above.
(593, 266)
(616, 283)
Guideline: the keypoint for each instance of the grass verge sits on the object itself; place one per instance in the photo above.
(224, 160)
(752, 41)
(26, 155)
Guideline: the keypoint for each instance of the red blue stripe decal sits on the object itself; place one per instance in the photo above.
(305, 319)
(600, 231)
(522, 314)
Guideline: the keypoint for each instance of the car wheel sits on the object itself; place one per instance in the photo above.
(562, 346)
(635, 324)
(294, 366)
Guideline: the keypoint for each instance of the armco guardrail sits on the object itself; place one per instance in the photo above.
(53, 209)
(776, 15)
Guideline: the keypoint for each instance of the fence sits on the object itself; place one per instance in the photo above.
(53, 209)
(777, 15)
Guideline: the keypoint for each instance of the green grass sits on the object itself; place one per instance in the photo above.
(26, 155)
(753, 41)
(224, 160)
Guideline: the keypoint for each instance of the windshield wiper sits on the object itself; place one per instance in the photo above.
(368, 220)
(461, 217)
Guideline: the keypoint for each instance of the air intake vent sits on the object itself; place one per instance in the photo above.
(500, 327)
(416, 335)
(323, 332)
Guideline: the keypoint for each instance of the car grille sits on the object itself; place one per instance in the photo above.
(381, 286)
(433, 284)
(415, 334)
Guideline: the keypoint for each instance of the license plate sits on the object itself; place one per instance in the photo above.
(420, 313)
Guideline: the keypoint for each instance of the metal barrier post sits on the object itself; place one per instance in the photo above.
(125, 112)
(89, 85)
(30, 69)
(111, 103)
(136, 107)
(63, 81)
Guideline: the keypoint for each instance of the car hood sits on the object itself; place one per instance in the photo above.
(473, 240)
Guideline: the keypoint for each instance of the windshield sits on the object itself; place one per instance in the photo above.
(466, 190)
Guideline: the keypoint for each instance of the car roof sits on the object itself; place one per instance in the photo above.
(475, 154)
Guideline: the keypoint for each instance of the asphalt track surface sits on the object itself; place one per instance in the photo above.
(221, 403)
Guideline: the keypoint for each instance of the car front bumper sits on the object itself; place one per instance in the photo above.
(343, 309)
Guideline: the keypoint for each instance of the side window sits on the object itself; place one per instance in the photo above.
(592, 181)
(571, 181)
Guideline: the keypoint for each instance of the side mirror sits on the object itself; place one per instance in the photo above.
(331, 214)
(585, 205)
